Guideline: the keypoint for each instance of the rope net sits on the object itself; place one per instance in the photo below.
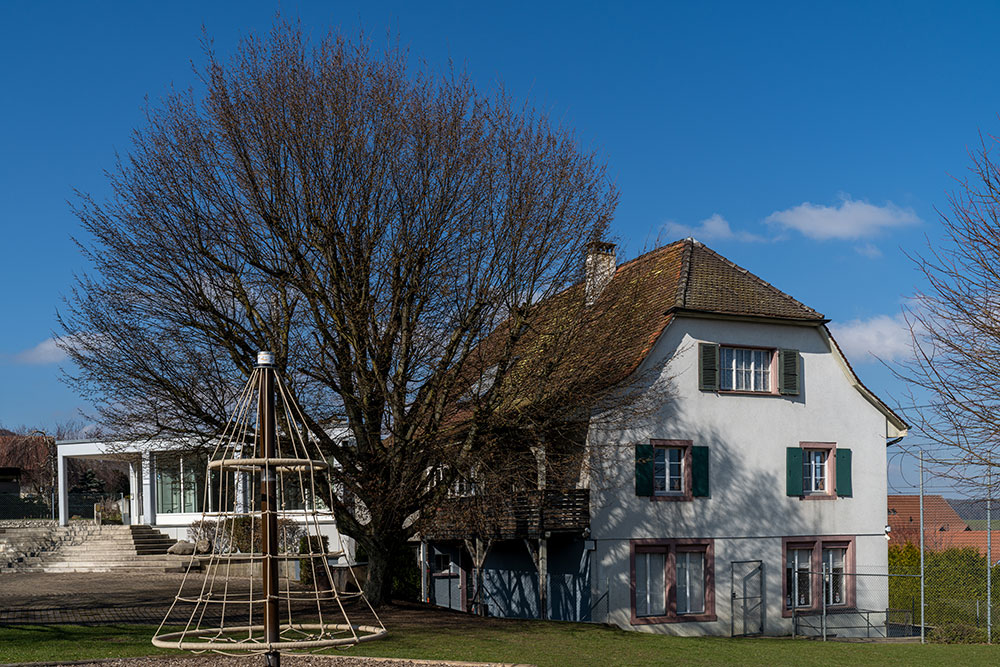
(224, 607)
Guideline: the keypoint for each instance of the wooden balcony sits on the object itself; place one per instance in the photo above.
(522, 514)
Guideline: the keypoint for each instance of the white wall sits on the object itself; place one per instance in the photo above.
(748, 512)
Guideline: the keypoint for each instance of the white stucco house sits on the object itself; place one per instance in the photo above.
(767, 462)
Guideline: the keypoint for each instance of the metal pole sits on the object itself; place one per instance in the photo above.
(923, 638)
(825, 583)
(268, 509)
(989, 556)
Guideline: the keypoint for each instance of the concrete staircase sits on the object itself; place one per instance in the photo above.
(88, 548)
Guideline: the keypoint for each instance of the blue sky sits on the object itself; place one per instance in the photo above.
(810, 144)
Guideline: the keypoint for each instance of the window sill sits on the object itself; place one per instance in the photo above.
(818, 609)
(671, 497)
(676, 618)
(821, 496)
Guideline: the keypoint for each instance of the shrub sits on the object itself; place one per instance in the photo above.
(958, 633)
(234, 535)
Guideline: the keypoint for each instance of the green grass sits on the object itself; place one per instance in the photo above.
(543, 644)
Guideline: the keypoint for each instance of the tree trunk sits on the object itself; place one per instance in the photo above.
(378, 584)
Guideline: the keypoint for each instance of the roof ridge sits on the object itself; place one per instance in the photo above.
(758, 279)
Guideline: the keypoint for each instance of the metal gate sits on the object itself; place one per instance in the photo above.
(747, 593)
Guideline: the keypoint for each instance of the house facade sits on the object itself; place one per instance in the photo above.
(760, 464)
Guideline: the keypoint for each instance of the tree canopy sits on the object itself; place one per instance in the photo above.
(369, 223)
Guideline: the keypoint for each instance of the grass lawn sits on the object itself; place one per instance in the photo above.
(525, 642)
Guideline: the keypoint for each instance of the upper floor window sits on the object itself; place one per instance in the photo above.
(814, 476)
(745, 369)
(818, 470)
(668, 470)
(748, 369)
(671, 470)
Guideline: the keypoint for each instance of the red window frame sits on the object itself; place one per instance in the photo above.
(670, 547)
(817, 543)
(831, 470)
(688, 491)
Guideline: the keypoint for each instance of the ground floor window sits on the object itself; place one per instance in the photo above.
(672, 580)
(806, 560)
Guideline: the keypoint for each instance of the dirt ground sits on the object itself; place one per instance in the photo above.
(106, 598)
(97, 598)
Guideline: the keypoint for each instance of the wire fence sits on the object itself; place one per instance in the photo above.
(834, 604)
(953, 542)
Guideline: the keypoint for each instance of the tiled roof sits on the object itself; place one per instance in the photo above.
(613, 336)
(711, 283)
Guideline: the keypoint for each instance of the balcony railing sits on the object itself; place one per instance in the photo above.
(522, 514)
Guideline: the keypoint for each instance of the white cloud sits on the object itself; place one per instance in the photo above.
(869, 250)
(883, 336)
(46, 352)
(851, 220)
(715, 228)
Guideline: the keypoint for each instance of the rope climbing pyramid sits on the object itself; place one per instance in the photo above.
(268, 494)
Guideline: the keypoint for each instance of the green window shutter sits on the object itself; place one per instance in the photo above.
(699, 472)
(793, 471)
(708, 366)
(643, 470)
(788, 372)
(844, 486)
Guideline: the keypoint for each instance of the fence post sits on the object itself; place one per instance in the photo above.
(989, 555)
(824, 583)
(923, 638)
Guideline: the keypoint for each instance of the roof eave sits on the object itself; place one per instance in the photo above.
(742, 317)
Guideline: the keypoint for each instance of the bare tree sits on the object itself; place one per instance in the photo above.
(371, 226)
(33, 451)
(955, 326)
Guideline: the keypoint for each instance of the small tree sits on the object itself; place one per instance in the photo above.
(955, 326)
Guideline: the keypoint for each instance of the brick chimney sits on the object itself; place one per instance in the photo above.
(600, 268)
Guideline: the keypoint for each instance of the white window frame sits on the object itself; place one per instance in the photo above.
(664, 470)
(756, 366)
(814, 471)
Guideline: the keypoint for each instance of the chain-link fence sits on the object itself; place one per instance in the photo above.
(952, 539)
(836, 604)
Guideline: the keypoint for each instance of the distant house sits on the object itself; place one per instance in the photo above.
(944, 527)
(766, 463)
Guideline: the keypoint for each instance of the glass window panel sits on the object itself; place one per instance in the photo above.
(641, 584)
(797, 580)
(690, 582)
(659, 470)
(657, 585)
(676, 469)
(728, 368)
(834, 588)
(168, 483)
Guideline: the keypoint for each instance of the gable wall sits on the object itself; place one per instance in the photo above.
(748, 512)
